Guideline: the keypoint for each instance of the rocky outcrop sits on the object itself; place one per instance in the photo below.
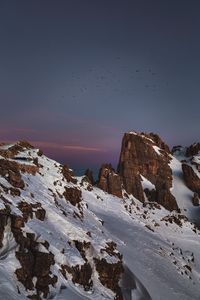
(13, 150)
(109, 275)
(68, 174)
(109, 181)
(194, 149)
(191, 178)
(147, 155)
(10, 171)
(195, 199)
(73, 195)
(89, 175)
(80, 275)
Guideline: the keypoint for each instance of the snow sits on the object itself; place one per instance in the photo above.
(146, 184)
(157, 149)
(141, 135)
(140, 248)
(183, 194)
(6, 147)
(155, 251)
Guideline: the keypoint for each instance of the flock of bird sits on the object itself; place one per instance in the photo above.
(101, 79)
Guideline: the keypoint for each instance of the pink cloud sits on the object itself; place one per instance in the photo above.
(50, 145)
(61, 147)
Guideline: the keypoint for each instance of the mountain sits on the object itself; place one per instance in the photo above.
(134, 234)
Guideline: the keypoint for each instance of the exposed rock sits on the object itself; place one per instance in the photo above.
(191, 178)
(73, 195)
(109, 275)
(24, 274)
(82, 247)
(15, 149)
(40, 214)
(35, 264)
(177, 219)
(158, 141)
(195, 199)
(110, 248)
(194, 149)
(68, 174)
(81, 275)
(140, 156)
(109, 181)
(89, 175)
(26, 209)
(10, 171)
(4, 214)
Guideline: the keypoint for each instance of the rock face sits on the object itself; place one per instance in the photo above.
(89, 175)
(68, 174)
(109, 181)
(195, 200)
(191, 178)
(194, 149)
(146, 155)
(73, 195)
(10, 171)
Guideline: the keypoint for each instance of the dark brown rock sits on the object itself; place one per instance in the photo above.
(10, 171)
(35, 264)
(194, 149)
(73, 195)
(109, 181)
(81, 275)
(195, 199)
(26, 209)
(15, 149)
(82, 247)
(24, 274)
(139, 156)
(4, 214)
(42, 264)
(158, 141)
(40, 214)
(89, 175)
(109, 275)
(191, 178)
(68, 174)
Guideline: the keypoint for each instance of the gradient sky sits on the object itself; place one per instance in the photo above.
(76, 74)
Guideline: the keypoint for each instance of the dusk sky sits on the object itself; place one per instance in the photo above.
(76, 74)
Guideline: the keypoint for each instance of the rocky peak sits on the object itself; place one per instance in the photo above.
(146, 155)
(89, 175)
(194, 149)
(109, 181)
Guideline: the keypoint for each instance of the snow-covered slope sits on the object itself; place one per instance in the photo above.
(62, 238)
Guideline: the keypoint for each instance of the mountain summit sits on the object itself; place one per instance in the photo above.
(134, 234)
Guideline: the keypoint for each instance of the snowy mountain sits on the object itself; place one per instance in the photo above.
(132, 235)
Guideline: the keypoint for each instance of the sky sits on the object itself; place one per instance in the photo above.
(76, 74)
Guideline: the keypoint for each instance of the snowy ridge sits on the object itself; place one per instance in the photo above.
(161, 250)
